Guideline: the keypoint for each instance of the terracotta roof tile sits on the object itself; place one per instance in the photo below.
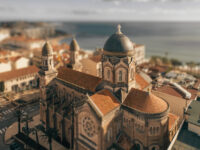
(18, 73)
(13, 59)
(145, 102)
(59, 47)
(140, 80)
(170, 90)
(77, 78)
(194, 93)
(105, 101)
(172, 120)
(4, 60)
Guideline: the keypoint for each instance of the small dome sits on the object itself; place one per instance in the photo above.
(47, 49)
(119, 44)
(145, 102)
(74, 45)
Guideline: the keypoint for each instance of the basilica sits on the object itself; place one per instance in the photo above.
(115, 111)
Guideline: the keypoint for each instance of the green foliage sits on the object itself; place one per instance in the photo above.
(175, 62)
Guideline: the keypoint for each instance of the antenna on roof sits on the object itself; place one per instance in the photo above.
(119, 29)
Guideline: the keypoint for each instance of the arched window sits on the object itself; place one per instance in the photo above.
(120, 76)
(108, 74)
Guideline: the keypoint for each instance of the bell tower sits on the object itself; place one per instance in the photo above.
(118, 63)
(47, 71)
(46, 74)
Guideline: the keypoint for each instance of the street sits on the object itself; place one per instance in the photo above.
(7, 118)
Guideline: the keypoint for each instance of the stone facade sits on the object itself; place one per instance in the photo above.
(99, 113)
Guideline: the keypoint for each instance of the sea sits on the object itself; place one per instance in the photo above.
(179, 40)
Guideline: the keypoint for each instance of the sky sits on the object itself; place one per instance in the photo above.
(100, 10)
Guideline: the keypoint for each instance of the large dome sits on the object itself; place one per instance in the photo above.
(118, 44)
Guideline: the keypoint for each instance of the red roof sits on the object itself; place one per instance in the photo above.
(77, 78)
(18, 73)
(173, 119)
(105, 101)
(141, 81)
(145, 102)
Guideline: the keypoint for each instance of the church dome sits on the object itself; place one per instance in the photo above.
(47, 49)
(74, 45)
(118, 44)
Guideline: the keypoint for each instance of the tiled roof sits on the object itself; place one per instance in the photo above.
(168, 89)
(145, 102)
(4, 60)
(13, 59)
(77, 78)
(59, 47)
(172, 120)
(176, 104)
(159, 68)
(141, 81)
(197, 84)
(194, 93)
(18, 73)
(105, 101)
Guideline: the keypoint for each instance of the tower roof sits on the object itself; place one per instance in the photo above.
(74, 45)
(118, 44)
(47, 49)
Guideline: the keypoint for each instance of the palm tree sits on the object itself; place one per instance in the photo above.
(49, 133)
(26, 119)
(18, 114)
(35, 132)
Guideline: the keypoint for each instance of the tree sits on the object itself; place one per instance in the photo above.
(18, 113)
(26, 119)
(35, 132)
(49, 133)
(176, 62)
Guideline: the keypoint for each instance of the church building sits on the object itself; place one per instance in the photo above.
(117, 111)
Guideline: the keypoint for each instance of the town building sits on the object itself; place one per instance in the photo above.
(4, 33)
(115, 111)
(139, 53)
(188, 137)
(19, 80)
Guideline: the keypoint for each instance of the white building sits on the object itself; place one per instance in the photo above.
(19, 80)
(19, 62)
(5, 65)
(4, 33)
(139, 53)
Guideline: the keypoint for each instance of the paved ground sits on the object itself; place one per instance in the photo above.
(7, 118)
